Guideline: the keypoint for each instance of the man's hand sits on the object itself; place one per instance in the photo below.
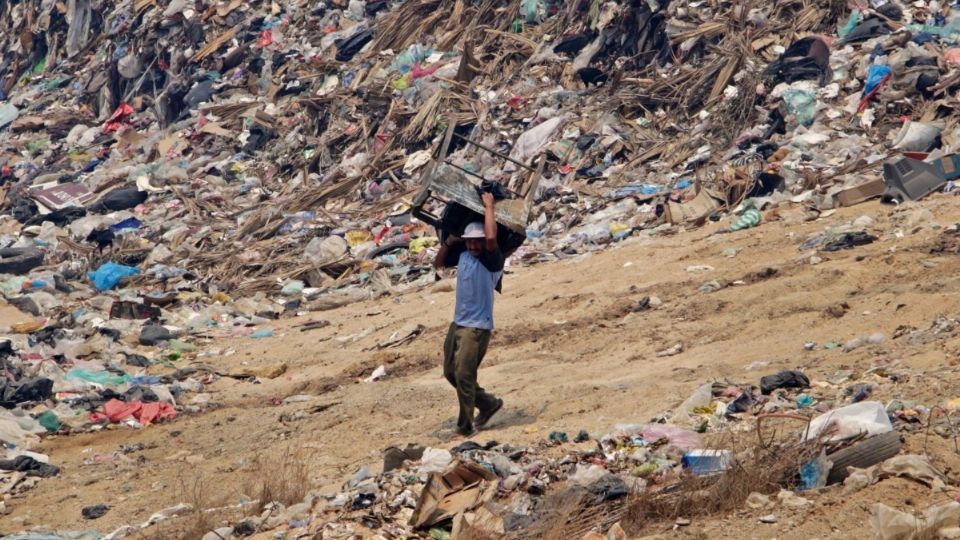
(453, 239)
(488, 200)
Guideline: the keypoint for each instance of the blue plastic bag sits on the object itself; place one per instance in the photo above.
(637, 189)
(414, 54)
(814, 473)
(129, 223)
(875, 76)
(109, 275)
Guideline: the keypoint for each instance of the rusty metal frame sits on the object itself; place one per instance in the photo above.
(445, 181)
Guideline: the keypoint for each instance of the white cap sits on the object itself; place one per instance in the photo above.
(474, 230)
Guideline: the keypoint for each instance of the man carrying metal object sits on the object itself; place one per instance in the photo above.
(479, 269)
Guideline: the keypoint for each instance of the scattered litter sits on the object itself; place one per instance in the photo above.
(377, 374)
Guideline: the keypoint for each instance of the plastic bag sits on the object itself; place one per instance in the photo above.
(8, 113)
(402, 83)
(584, 476)
(109, 275)
(875, 76)
(153, 334)
(784, 379)
(814, 473)
(355, 9)
(680, 438)
(177, 346)
(349, 47)
(531, 140)
(325, 250)
(103, 378)
(262, 333)
(914, 467)
(293, 287)
(435, 460)
(417, 71)
(802, 104)
(890, 524)
(49, 421)
(701, 397)
(13, 433)
(851, 23)
(750, 218)
(414, 54)
(596, 233)
(418, 245)
(868, 417)
(915, 137)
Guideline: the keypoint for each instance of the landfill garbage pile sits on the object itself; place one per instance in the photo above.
(254, 147)
(182, 170)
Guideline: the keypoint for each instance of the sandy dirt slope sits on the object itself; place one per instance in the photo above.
(569, 354)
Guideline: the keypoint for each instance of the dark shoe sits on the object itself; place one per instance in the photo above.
(465, 432)
(485, 416)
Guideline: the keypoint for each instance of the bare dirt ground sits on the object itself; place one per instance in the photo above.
(569, 354)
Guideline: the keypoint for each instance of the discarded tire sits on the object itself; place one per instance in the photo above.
(19, 260)
(863, 454)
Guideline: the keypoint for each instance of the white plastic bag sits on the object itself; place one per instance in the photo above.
(868, 417)
(701, 397)
(915, 137)
(325, 250)
(435, 460)
(531, 140)
(584, 476)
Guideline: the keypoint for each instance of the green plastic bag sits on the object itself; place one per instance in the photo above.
(751, 217)
(177, 346)
(851, 23)
(49, 421)
(802, 104)
(102, 377)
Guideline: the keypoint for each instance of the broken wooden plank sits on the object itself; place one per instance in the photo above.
(214, 45)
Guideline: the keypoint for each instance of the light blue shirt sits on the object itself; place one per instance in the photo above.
(475, 285)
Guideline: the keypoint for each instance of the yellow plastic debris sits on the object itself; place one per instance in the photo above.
(418, 245)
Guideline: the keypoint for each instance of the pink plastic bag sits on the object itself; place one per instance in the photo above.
(680, 438)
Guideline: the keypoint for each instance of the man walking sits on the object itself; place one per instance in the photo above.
(479, 269)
